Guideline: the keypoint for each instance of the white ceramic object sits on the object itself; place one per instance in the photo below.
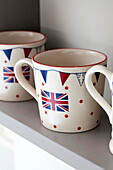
(95, 94)
(15, 45)
(64, 103)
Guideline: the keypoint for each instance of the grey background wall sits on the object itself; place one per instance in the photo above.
(19, 15)
(80, 24)
(67, 23)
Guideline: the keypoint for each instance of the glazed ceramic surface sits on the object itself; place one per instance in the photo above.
(15, 45)
(64, 103)
(98, 97)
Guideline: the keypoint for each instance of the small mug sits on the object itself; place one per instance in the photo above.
(15, 45)
(64, 103)
(95, 94)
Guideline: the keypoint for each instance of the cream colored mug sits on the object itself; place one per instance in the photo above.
(64, 103)
(95, 94)
(15, 45)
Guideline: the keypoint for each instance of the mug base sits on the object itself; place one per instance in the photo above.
(77, 130)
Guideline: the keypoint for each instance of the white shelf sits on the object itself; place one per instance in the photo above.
(83, 151)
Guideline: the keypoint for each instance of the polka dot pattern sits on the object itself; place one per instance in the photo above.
(94, 84)
(91, 113)
(17, 96)
(78, 128)
(5, 61)
(81, 101)
(55, 126)
(66, 116)
(66, 87)
(45, 112)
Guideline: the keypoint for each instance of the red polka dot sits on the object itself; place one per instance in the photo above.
(6, 87)
(5, 61)
(91, 113)
(45, 112)
(97, 121)
(66, 116)
(17, 96)
(66, 87)
(42, 121)
(80, 101)
(55, 126)
(94, 84)
(78, 128)
(43, 84)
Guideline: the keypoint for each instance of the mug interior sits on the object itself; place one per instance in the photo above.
(20, 37)
(70, 57)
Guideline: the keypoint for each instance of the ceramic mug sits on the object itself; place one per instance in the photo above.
(95, 94)
(64, 103)
(15, 45)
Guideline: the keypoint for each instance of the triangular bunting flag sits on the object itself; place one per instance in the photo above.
(27, 51)
(8, 53)
(81, 77)
(64, 77)
(97, 74)
(44, 74)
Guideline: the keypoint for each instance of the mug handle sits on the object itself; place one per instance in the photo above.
(94, 93)
(97, 96)
(21, 79)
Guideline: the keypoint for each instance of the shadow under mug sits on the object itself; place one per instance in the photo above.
(15, 45)
(64, 102)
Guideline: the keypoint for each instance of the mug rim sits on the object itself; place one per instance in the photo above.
(87, 65)
(26, 31)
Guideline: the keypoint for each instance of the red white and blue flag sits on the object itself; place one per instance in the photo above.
(55, 101)
(9, 76)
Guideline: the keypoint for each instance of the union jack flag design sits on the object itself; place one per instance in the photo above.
(9, 76)
(55, 101)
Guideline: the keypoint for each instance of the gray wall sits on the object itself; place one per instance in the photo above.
(79, 24)
(19, 15)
